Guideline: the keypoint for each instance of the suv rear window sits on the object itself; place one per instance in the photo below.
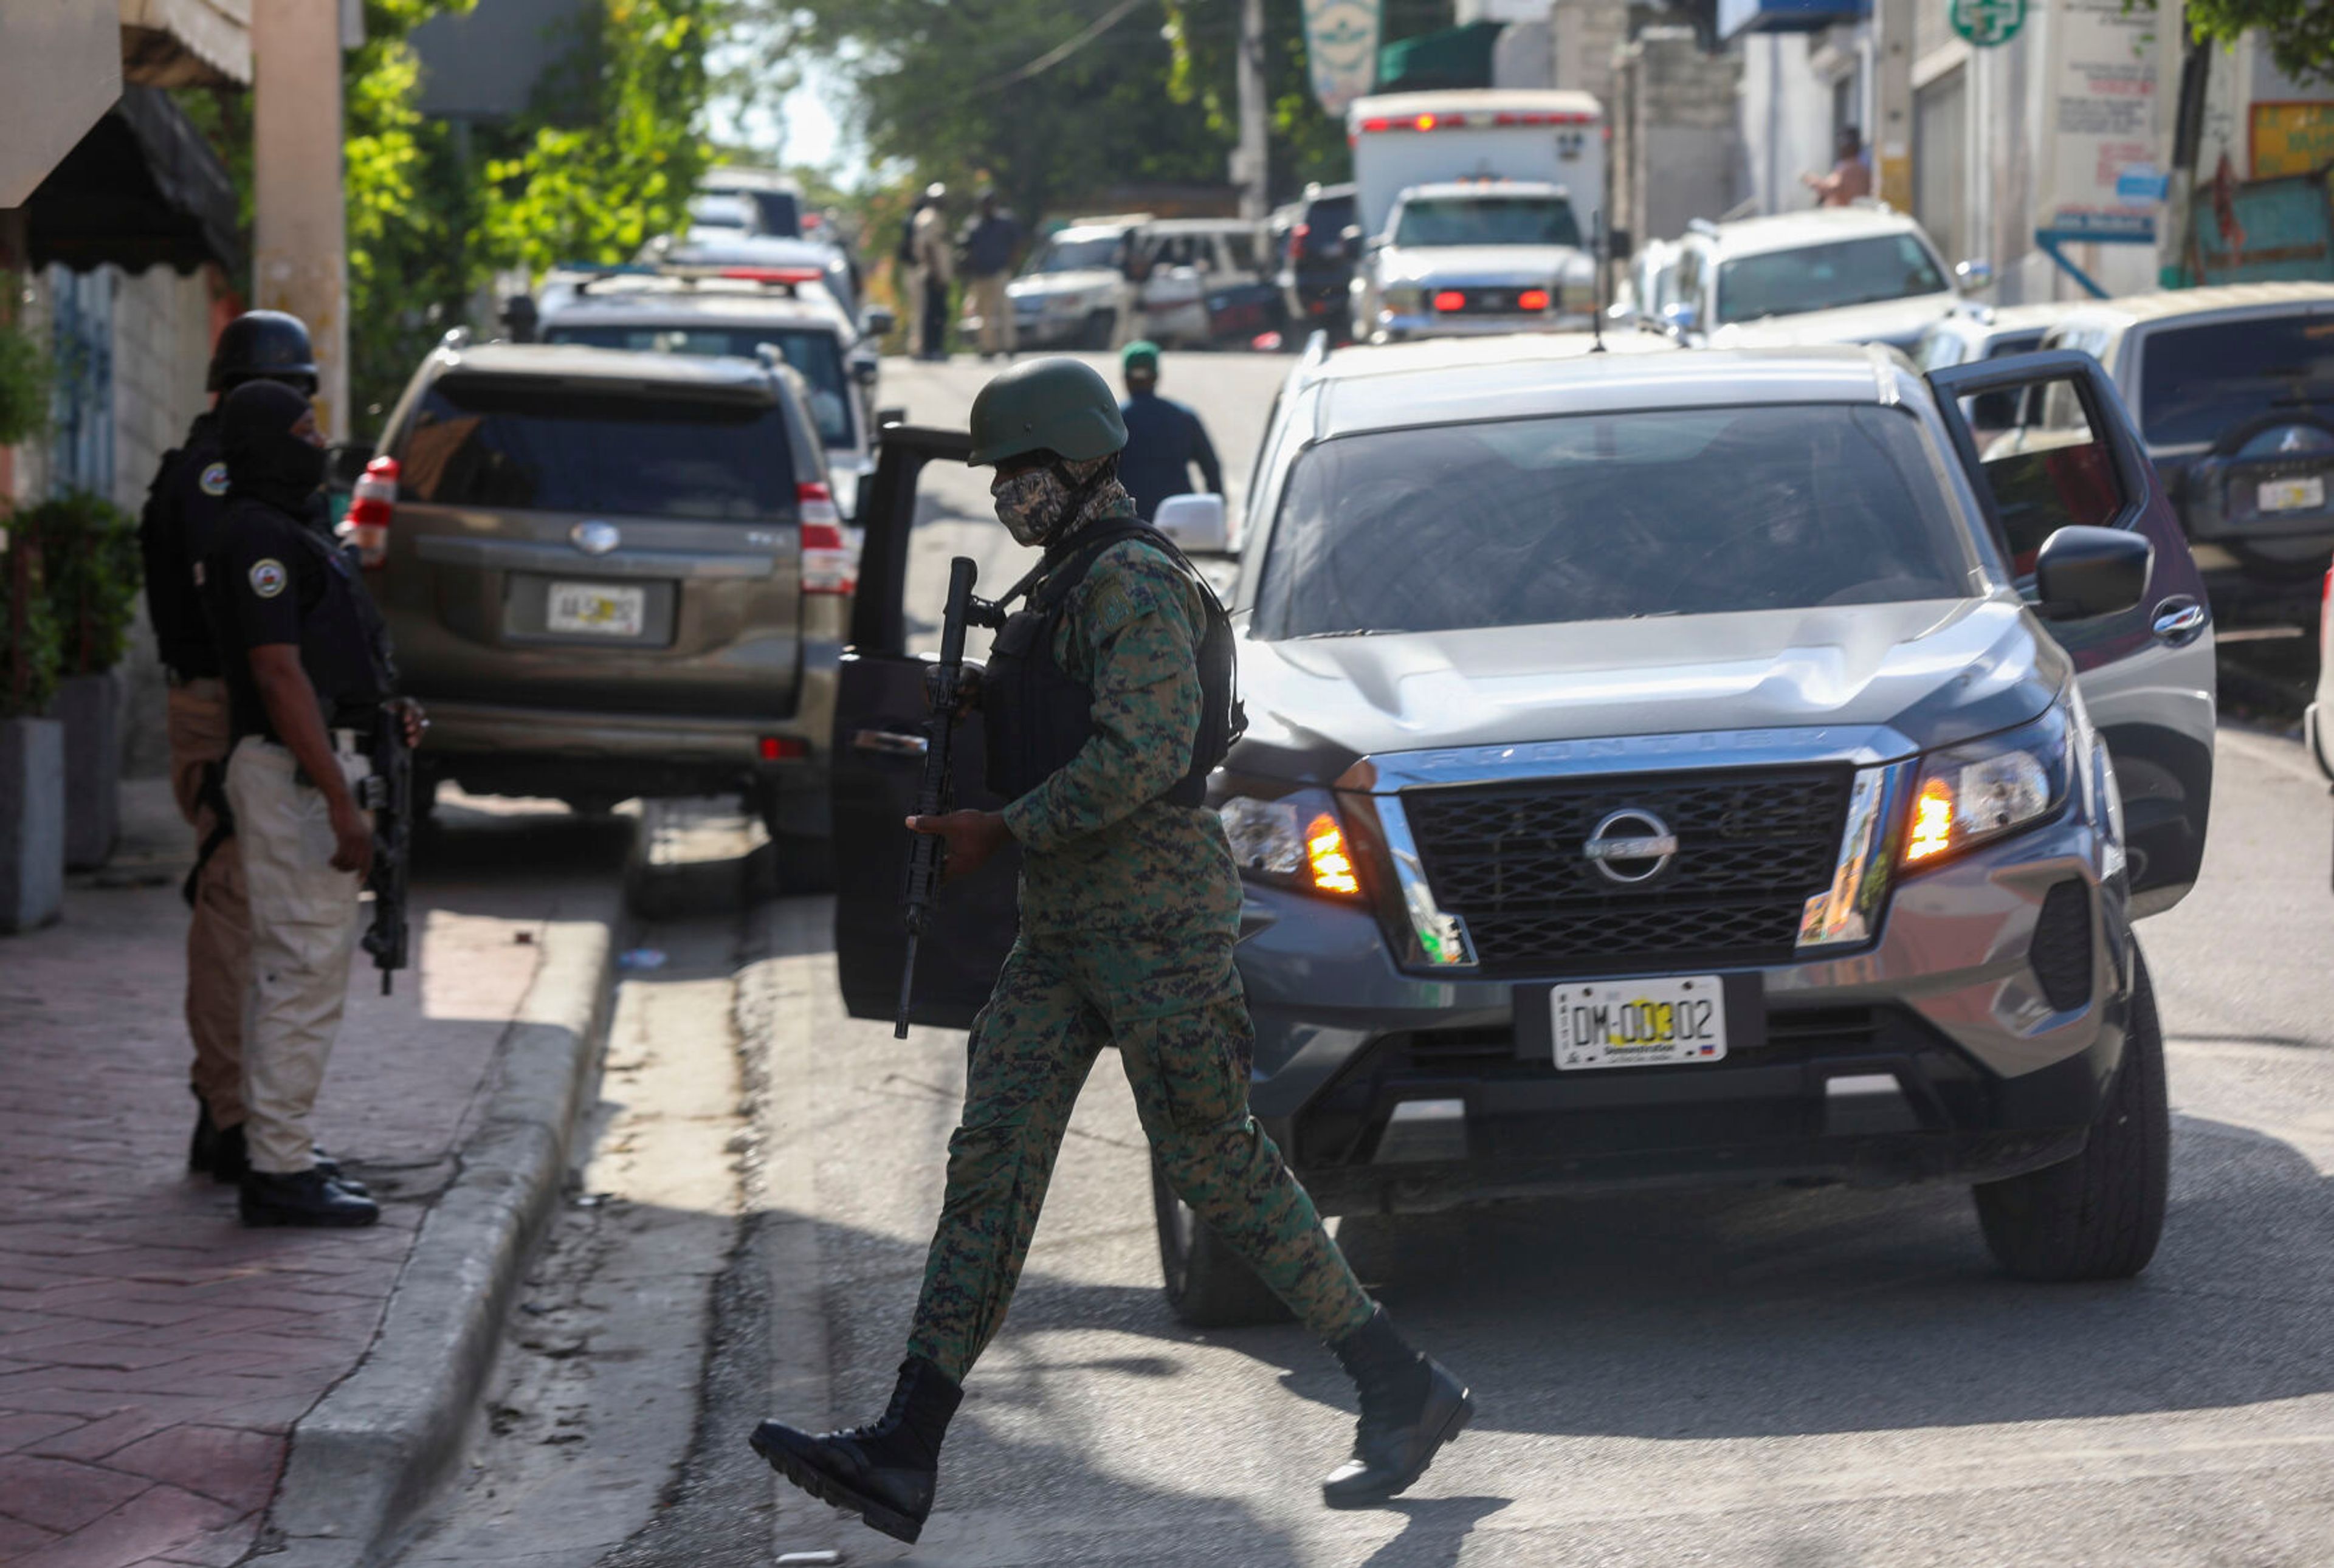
(1827, 277)
(1609, 517)
(811, 352)
(2198, 384)
(480, 441)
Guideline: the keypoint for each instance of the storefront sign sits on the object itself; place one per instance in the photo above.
(2101, 77)
(2291, 139)
(1341, 50)
(1986, 22)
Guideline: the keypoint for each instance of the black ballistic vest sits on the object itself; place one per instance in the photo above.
(1037, 719)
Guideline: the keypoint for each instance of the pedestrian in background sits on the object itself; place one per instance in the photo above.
(1851, 178)
(178, 527)
(1165, 440)
(929, 238)
(990, 242)
(1129, 908)
(307, 666)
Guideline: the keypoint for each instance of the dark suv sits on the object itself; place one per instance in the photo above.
(1317, 263)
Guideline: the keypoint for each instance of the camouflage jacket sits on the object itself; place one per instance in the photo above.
(1101, 851)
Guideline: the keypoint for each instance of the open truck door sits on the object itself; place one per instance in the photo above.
(2073, 458)
(879, 750)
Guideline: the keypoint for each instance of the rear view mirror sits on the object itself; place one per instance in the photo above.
(344, 464)
(1194, 525)
(2082, 572)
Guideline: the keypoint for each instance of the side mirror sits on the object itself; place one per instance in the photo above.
(1682, 319)
(1974, 277)
(889, 417)
(1617, 243)
(866, 371)
(1351, 234)
(2082, 572)
(880, 321)
(344, 464)
(1194, 525)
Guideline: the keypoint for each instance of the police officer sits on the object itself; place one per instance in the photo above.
(1165, 440)
(1130, 905)
(308, 667)
(182, 511)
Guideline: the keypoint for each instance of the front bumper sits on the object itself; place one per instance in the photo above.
(1934, 1052)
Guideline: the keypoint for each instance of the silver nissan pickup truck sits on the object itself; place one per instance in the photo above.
(1694, 766)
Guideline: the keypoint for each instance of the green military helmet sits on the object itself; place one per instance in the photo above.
(1057, 404)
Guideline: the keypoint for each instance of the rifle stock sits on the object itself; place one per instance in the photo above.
(928, 852)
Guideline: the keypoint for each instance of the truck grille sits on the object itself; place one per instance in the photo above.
(1752, 846)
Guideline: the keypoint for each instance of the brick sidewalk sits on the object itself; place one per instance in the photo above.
(154, 1356)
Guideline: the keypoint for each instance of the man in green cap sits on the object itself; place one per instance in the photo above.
(1107, 702)
(1165, 440)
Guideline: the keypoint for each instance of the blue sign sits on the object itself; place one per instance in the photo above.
(2141, 182)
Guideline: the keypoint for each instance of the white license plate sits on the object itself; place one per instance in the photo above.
(597, 609)
(2293, 495)
(1639, 1023)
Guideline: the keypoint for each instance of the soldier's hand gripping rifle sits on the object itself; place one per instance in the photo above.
(388, 793)
(928, 852)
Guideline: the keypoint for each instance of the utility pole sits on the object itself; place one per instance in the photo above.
(1248, 162)
(299, 217)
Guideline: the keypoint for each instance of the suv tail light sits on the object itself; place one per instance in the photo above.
(829, 564)
(371, 505)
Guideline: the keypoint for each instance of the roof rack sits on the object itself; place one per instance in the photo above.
(689, 274)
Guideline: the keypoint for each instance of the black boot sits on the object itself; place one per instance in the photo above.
(1411, 1406)
(202, 1149)
(884, 1473)
(304, 1197)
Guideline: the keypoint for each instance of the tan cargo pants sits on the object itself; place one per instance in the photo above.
(304, 928)
(995, 310)
(218, 937)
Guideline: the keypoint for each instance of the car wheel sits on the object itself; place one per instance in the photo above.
(1207, 1286)
(2098, 1216)
(1100, 330)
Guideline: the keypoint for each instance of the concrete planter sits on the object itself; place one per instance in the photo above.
(31, 822)
(90, 707)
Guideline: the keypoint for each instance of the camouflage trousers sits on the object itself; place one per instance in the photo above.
(1058, 1001)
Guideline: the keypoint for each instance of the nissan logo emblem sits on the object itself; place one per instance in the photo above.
(1630, 846)
(594, 538)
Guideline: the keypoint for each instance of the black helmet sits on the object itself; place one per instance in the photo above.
(263, 346)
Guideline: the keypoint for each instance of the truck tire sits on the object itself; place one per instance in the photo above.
(2099, 1214)
(799, 862)
(1100, 331)
(1208, 1287)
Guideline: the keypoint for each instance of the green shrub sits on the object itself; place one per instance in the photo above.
(91, 568)
(26, 380)
(30, 653)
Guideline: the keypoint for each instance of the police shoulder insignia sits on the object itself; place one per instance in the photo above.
(214, 480)
(268, 577)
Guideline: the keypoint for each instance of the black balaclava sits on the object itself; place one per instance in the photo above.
(264, 460)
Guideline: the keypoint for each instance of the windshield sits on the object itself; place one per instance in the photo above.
(1602, 517)
(717, 212)
(1486, 220)
(1069, 256)
(2198, 384)
(1826, 277)
(811, 353)
(476, 441)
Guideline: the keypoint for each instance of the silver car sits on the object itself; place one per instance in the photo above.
(1668, 767)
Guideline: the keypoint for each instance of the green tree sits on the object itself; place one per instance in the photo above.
(2301, 32)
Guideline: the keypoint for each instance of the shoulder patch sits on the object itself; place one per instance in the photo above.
(214, 480)
(268, 577)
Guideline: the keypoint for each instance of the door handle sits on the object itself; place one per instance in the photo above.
(890, 743)
(2179, 619)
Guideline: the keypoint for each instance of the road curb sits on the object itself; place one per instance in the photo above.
(370, 1454)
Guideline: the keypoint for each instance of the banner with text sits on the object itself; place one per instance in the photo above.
(2101, 77)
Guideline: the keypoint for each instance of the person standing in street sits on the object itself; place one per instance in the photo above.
(990, 242)
(1165, 440)
(178, 528)
(1102, 729)
(1851, 178)
(307, 666)
(929, 239)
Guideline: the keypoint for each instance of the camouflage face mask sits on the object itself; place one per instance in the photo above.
(1032, 505)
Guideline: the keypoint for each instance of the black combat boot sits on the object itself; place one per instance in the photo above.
(304, 1197)
(202, 1149)
(1411, 1406)
(884, 1473)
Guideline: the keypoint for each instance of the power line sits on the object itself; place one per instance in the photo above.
(1061, 51)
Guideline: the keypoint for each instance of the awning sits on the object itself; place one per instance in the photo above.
(187, 43)
(141, 187)
(1454, 57)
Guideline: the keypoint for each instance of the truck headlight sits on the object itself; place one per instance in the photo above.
(1296, 841)
(1985, 789)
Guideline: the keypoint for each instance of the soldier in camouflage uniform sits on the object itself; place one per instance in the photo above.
(1130, 906)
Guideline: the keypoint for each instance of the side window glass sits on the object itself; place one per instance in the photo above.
(2058, 472)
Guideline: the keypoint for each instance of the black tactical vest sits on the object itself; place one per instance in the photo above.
(1037, 718)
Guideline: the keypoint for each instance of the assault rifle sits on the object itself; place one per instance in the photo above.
(928, 852)
(388, 793)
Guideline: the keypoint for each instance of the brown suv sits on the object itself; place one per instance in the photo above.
(613, 574)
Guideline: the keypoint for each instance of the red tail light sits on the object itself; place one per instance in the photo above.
(371, 506)
(772, 274)
(1532, 300)
(829, 564)
(1449, 300)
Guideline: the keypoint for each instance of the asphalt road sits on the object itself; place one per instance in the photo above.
(1800, 1378)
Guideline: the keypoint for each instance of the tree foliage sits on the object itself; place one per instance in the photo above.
(91, 570)
(2299, 32)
